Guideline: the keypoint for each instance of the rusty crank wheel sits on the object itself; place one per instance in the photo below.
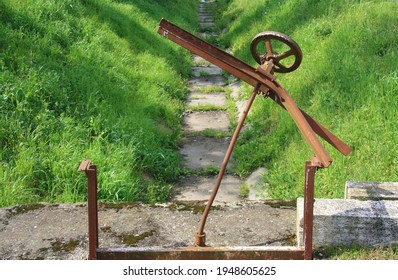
(270, 38)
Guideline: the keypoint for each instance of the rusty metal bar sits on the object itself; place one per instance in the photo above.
(203, 253)
(92, 206)
(248, 74)
(200, 237)
(304, 127)
(310, 169)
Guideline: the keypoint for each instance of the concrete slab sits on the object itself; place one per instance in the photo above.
(203, 71)
(351, 222)
(371, 190)
(196, 121)
(201, 152)
(201, 98)
(59, 231)
(256, 184)
(194, 188)
(206, 35)
(205, 17)
(207, 24)
(237, 91)
(213, 80)
(204, 9)
(198, 60)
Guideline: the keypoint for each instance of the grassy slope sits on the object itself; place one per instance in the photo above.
(90, 79)
(348, 81)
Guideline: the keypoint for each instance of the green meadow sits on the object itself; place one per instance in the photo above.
(348, 81)
(90, 79)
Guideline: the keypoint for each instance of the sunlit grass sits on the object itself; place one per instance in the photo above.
(347, 81)
(87, 79)
(344, 253)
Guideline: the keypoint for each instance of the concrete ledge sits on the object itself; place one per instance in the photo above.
(371, 190)
(351, 222)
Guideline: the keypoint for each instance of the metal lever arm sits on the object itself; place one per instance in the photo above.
(247, 73)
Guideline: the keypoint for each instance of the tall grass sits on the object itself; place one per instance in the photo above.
(90, 79)
(348, 81)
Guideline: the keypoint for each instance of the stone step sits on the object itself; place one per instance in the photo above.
(206, 24)
(201, 152)
(202, 99)
(196, 121)
(203, 71)
(351, 222)
(198, 60)
(205, 10)
(212, 80)
(371, 190)
(194, 188)
(256, 185)
(207, 35)
(205, 18)
(205, 13)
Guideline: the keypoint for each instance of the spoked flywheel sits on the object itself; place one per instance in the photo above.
(278, 48)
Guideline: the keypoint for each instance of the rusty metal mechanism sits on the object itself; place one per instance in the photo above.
(263, 80)
(267, 38)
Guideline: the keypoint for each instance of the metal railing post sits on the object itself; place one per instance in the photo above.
(310, 170)
(92, 200)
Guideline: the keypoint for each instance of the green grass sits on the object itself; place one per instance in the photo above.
(347, 81)
(88, 79)
(206, 107)
(345, 253)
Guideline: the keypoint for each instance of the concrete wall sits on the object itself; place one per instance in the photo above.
(351, 222)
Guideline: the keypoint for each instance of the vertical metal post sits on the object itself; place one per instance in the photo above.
(91, 174)
(310, 170)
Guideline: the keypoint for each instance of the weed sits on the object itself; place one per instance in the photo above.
(211, 133)
(205, 107)
(203, 73)
(244, 190)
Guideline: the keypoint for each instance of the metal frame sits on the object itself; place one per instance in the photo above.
(190, 252)
(262, 79)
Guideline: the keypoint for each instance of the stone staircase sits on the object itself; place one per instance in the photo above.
(205, 115)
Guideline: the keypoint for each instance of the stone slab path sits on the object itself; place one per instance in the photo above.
(207, 88)
(206, 105)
